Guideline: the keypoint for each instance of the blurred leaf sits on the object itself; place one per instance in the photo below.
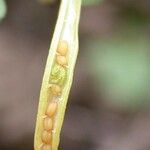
(121, 68)
(2, 9)
(91, 2)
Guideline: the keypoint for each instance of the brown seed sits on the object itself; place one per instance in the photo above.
(48, 124)
(62, 48)
(56, 89)
(51, 109)
(46, 147)
(61, 60)
(46, 137)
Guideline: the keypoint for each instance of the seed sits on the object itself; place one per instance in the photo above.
(61, 60)
(56, 90)
(46, 137)
(58, 75)
(46, 147)
(62, 48)
(51, 109)
(48, 124)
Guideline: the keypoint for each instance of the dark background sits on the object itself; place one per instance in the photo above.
(107, 110)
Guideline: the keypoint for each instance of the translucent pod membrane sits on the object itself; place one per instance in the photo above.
(58, 77)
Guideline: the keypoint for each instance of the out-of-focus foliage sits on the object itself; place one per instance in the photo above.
(84, 2)
(2, 9)
(46, 2)
(121, 68)
(91, 2)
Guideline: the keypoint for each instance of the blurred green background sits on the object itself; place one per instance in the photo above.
(109, 104)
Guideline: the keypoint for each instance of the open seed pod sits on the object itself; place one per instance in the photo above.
(58, 77)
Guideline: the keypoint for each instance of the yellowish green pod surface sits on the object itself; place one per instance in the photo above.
(58, 77)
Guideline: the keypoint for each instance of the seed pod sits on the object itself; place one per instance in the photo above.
(51, 109)
(46, 137)
(62, 48)
(57, 73)
(56, 89)
(61, 60)
(48, 124)
(46, 147)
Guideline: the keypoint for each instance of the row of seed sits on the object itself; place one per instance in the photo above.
(61, 59)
